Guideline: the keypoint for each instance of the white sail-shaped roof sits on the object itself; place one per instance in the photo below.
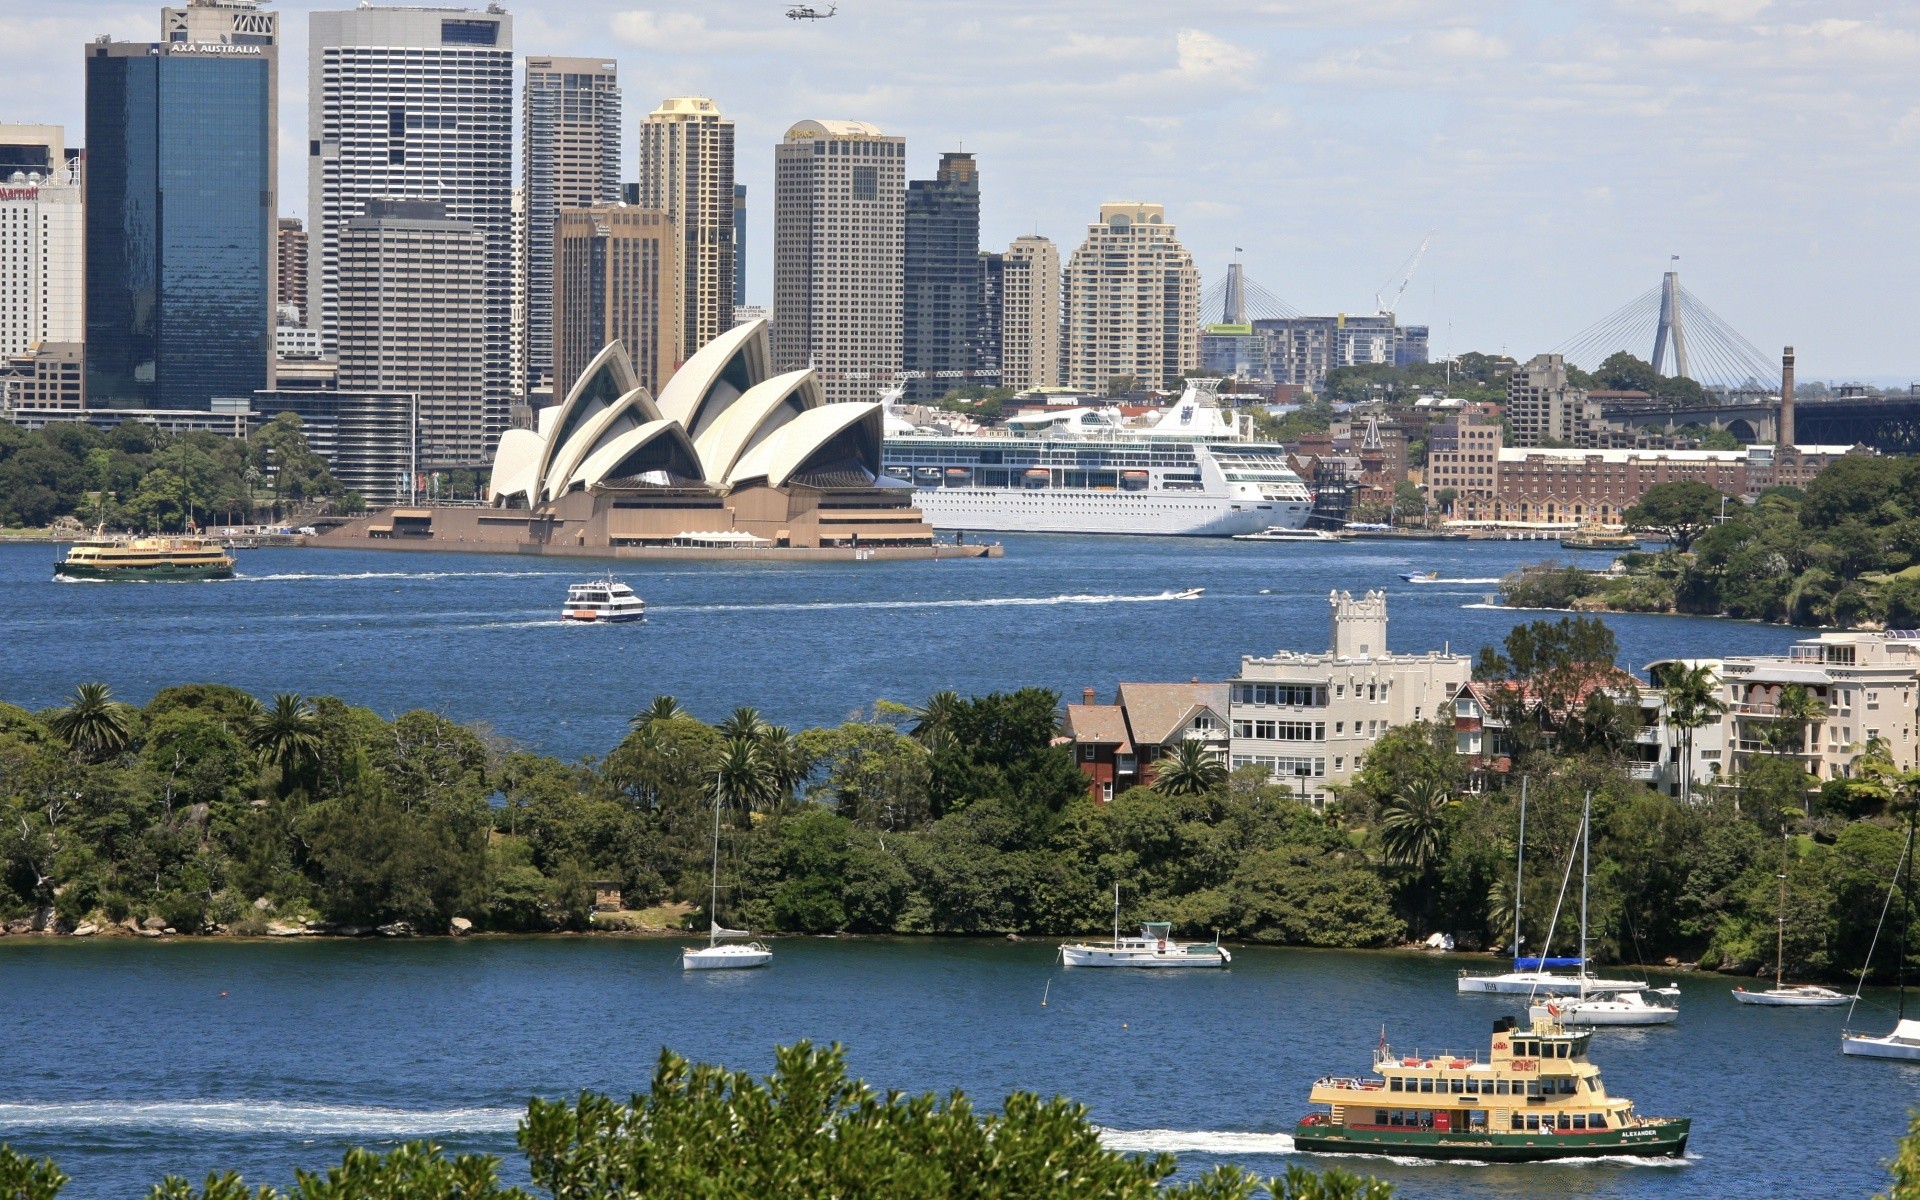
(662, 445)
(717, 375)
(608, 379)
(802, 440)
(516, 465)
(753, 417)
(631, 411)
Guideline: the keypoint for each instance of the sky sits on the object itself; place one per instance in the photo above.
(1560, 152)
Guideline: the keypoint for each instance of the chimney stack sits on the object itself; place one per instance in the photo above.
(1086, 696)
(1786, 439)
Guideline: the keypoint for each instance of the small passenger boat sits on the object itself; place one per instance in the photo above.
(1536, 1097)
(1280, 533)
(1596, 537)
(1420, 576)
(1153, 949)
(1190, 593)
(603, 601)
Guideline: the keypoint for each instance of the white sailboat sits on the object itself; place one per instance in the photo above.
(1533, 976)
(1781, 994)
(1604, 1007)
(1154, 948)
(1904, 1041)
(716, 955)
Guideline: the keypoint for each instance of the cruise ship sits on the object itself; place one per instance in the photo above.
(1194, 471)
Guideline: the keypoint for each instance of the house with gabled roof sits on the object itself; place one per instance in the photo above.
(1117, 744)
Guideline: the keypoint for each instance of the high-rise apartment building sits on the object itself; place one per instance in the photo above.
(570, 156)
(412, 294)
(615, 277)
(1132, 302)
(290, 274)
(739, 244)
(181, 210)
(1543, 409)
(416, 104)
(839, 209)
(1301, 350)
(41, 230)
(686, 171)
(985, 320)
(941, 291)
(1030, 314)
(519, 415)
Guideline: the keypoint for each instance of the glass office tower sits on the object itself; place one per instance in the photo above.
(180, 223)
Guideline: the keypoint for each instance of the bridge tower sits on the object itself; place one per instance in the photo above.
(1672, 330)
(1233, 309)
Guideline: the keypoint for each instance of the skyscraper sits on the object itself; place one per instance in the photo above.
(416, 104)
(570, 154)
(180, 210)
(838, 248)
(290, 274)
(412, 291)
(985, 320)
(686, 171)
(615, 278)
(739, 244)
(941, 293)
(1030, 314)
(1132, 302)
(41, 230)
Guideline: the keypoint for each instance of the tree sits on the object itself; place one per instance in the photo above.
(287, 737)
(1413, 824)
(1693, 701)
(1191, 769)
(1786, 733)
(1683, 510)
(1905, 1167)
(663, 708)
(1120, 385)
(94, 725)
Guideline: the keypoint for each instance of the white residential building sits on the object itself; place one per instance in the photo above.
(1867, 684)
(839, 255)
(1030, 314)
(1310, 719)
(1132, 302)
(42, 231)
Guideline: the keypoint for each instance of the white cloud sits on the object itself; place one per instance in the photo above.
(1203, 55)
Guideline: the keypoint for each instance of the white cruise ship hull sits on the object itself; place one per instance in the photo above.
(1046, 510)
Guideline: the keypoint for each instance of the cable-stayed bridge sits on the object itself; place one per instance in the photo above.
(1686, 338)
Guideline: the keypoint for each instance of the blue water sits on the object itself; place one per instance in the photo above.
(126, 1060)
(477, 637)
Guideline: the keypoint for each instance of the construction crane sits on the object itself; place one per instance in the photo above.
(1404, 276)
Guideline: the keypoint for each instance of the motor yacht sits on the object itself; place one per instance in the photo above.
(604, 601)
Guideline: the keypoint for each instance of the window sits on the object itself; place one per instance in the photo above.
(1596, 1120)
(470, 33)
(1106, 791)
(1426, 1085)
(866, 183)
(1499, 1087)
(1086, 753)
(1393, 1085)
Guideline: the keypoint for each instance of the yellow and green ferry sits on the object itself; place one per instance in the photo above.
(1534, 1098)
(154, 558)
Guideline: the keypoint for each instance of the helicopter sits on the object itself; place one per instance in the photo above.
(806, 12)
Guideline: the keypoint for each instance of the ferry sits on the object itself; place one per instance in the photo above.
(605, 601)
(146, 558)
(1194, 471)
(1280, 533)
(1595, 537)
(1535, 1098)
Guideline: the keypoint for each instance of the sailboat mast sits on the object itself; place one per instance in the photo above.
(1519, 868)
(713, 894)
(1116, 916)
(1586, 848)
(1780, 934)
(1906, 925)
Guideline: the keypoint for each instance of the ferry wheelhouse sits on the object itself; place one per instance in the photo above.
(1194, 471)
(147, 558)
(1535, 1097)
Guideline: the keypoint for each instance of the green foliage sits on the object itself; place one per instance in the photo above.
(1683, 510)
(1312, 416)
(1190, 770)
(1547, 585)
(23, 1178)
(1905, 1167)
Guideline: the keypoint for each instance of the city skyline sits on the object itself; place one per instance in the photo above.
(1525, 135)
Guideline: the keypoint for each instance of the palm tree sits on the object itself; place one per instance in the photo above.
(1191, 770)
(1693, 701)
(94, 726)
(1798, 708)
(663, 708)
(743, 722)
(743, 778)
(287, 736)
(1413, 824)
(933, 721)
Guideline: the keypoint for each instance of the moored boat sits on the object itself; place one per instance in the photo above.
(1535, 1097)
(603, 601)
(166, 559)
(1904, 1042)
(1615, 1008)
(1153, 949)
(1783, 994)
(1280, 533)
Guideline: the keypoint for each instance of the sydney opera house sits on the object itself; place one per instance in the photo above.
(730, 455)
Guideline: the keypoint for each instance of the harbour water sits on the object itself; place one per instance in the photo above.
(478, 637)
(128, 1060)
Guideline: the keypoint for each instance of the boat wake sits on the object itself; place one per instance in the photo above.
(1180, 1141)
(252, 1117)
(988, 602)
(1495, 579)
(355, 576)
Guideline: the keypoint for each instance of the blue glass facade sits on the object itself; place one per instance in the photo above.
(180, 220)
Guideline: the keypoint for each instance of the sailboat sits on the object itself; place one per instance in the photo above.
(1534, 976)
(1609, 1007)
(1904, 1041)
(1781, 995)
(716, 955)
(1153, 948)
